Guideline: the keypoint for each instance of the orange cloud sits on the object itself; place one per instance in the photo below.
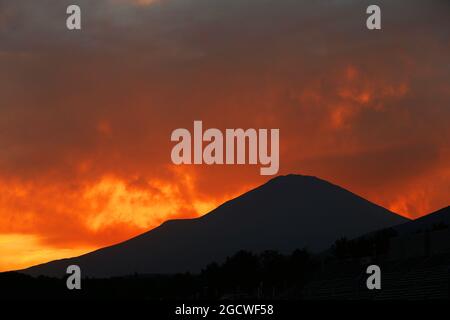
(40, 222)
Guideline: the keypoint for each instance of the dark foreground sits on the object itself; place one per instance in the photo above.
(269, 276)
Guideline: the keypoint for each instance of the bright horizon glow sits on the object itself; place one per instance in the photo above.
(19, 251)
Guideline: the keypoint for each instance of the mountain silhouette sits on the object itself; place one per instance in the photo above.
(286, 213)
(440, 218)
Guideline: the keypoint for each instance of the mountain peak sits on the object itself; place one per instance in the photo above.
(291, 177)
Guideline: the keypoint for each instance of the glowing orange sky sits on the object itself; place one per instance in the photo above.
(85, 118)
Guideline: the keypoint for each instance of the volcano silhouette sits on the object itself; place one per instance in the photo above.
(286, 213)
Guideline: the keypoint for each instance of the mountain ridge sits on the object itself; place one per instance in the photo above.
(426, 222)
(285, 213)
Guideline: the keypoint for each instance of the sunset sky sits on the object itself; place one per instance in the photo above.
(86, 116)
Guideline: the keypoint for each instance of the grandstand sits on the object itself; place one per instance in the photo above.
(418, 273)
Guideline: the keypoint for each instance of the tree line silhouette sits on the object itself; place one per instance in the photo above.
(244, 275)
